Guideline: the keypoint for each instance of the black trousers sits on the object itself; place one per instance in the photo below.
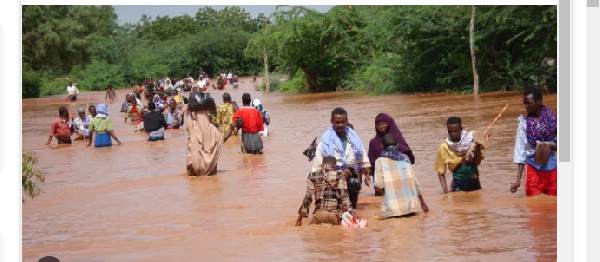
(353, 198)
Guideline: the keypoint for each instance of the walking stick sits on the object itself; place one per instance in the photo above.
(244, 151)
(487, 130)
(495, 119)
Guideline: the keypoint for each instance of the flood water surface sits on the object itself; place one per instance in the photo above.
(134, 202)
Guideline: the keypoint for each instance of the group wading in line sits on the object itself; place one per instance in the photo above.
(338, 158)
(340, 162)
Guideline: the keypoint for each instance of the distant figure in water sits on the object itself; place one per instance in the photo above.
(102, 125)
(73, 92)
(254, 83)
(110, 94)
(265, 116)
(62, 127)
(250, 121)
(460, 153)
(154, 123)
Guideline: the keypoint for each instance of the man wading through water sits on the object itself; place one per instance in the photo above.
(343, 143)
(460, 153)
(250, 121)
(535, 147)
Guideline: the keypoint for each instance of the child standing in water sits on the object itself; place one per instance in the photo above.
(110, 94)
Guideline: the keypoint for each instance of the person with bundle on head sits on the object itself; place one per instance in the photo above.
(204, 140)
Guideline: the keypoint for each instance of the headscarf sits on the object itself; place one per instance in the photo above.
(102, 111)
(159, 104)
(375, 147)
(545, 131)
(256, 103)
(330, 141)
(393, 153)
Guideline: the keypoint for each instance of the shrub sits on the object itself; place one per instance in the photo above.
(31, 177)
(296, 84)
(31, 84)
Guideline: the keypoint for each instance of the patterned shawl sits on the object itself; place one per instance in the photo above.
(546, 129)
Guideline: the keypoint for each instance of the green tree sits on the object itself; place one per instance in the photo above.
(57, 37)
(31, 177)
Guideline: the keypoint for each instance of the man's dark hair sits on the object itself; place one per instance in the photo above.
(537, 94)
(226, 97)
(389, 139)
(62, 110)
(338, 111)
(151, 106)
(454, 120)
(246, 99)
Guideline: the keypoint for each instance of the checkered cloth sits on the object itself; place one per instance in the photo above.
(402, 190)
(329, 190)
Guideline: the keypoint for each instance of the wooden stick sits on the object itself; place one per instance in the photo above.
(488, 128)
(495, 119)
(244, 151)
(87, 104)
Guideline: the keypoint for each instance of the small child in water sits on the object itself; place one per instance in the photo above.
(110, 94)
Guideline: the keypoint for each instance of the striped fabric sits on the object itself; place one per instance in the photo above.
(329, 190)
(402, 189)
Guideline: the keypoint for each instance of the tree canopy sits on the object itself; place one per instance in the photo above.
(378, 49)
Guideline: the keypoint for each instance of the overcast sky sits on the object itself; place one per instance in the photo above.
(133, 13)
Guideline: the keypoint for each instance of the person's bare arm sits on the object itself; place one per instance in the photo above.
(112, 134)
(49, 139)
(517, 184)
(423, 205)
(366, 176)
(90, 139)
(476, 159)
(442, 178)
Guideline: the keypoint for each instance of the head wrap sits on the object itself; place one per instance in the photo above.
(375, 146)
(102, 110)
(256, 103)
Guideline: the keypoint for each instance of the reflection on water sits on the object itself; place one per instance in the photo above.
(134, 202)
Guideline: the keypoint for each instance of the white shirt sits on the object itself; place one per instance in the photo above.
(522, 148)
(229, 75)
(350, 156)
(72, 90)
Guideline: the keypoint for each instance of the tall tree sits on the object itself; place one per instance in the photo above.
(58, 37)
(472, 47)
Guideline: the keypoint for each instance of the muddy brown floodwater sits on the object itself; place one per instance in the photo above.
(135, 202)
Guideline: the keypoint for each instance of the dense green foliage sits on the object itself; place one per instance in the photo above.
(378, 49)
